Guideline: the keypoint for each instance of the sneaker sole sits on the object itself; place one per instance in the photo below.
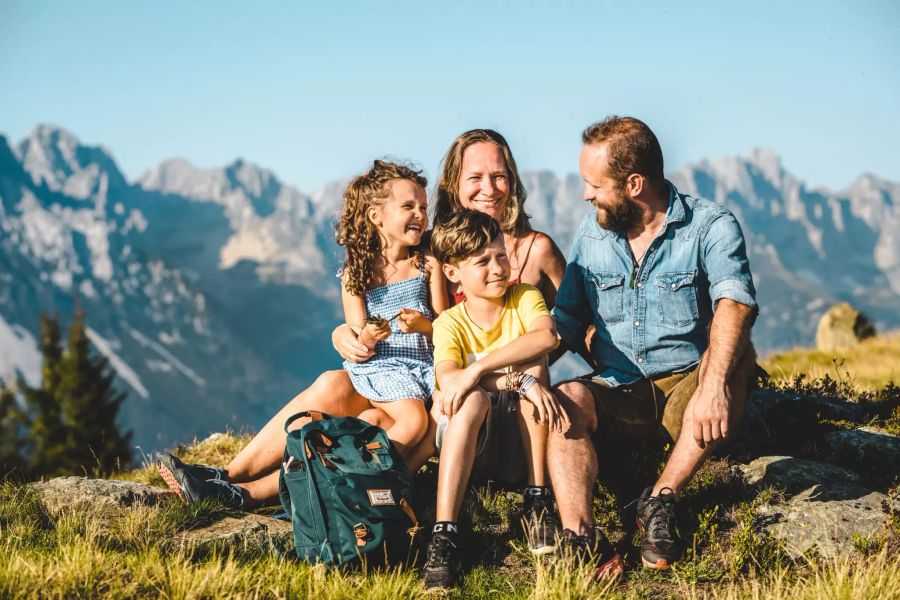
(543, 550)
(660, 565)
(170, 480)
(611, 569)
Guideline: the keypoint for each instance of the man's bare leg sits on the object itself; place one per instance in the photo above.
(687, 455)
(572, 460)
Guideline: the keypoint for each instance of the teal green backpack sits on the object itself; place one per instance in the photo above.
(348, 492)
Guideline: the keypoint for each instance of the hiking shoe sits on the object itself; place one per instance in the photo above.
(191, 489)
(662, 544)
(442, 565)
(198, 471)
(594, 548)
(539, 522)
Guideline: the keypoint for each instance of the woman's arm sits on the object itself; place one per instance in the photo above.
(552, 266)
(437, 284)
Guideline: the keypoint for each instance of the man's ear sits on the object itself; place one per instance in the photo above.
(450, 272)
(373, 213)
(634, 185)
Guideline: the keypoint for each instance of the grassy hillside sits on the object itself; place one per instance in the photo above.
(870, 366)
(130, 552)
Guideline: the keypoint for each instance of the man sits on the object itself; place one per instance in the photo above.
(664, 279)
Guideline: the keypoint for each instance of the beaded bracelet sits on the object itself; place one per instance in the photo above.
(525, 382)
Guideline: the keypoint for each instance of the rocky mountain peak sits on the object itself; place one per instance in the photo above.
(52, 156)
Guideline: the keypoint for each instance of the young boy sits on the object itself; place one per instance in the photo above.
(497, 339)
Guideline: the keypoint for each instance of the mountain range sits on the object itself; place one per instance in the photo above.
(212, 291)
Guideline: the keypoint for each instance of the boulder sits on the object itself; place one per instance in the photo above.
(240, 531)
(824, 508)
(67, 493)
(245, 532)
(842, 326)
(874, 451)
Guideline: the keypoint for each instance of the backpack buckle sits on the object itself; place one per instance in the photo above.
(361, 531)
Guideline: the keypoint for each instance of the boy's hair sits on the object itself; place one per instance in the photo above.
(356, 232)
(514, 219)
(462, 234)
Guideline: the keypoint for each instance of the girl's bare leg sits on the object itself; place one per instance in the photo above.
(410, 423)
(331, 393)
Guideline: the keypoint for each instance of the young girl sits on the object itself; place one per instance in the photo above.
(391, 289)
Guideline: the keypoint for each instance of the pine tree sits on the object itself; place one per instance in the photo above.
(46, 441)
(13, 423)
(89, 404)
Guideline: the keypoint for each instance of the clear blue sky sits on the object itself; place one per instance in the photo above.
(315, 90)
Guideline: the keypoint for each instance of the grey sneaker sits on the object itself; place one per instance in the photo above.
(181, 480)
(442, 566)
(539, 522)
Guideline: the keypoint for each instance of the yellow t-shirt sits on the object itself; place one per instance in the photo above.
(458, 339)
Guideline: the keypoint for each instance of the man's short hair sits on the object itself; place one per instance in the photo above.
(631, 148)
(462, 234)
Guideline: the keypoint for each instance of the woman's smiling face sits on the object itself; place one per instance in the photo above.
(484, 179)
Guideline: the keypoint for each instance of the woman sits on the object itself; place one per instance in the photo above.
(478, 172)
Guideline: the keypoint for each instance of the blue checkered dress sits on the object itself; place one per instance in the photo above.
(403, 365)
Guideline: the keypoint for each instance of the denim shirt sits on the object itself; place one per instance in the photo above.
(653, 320)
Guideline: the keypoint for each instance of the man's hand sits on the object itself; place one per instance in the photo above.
(344, 339)
(455, 386)
(413, 321)
(711, 406)
(549, 409)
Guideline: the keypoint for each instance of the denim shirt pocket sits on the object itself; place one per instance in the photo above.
(608, 290)
(677, 298)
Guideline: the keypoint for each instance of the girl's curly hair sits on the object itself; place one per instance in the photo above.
(356, 232)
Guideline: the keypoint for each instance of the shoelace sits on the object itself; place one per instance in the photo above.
(441, 551)
(661, 517)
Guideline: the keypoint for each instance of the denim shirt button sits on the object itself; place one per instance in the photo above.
(640, 284)
(637, 323)
(640, 359)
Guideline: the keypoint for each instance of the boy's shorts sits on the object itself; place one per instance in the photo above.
(502, 458)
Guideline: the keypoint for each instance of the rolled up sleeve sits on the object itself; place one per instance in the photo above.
(725, 260)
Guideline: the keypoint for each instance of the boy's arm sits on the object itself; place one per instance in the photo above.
(539, 340)
(454, 385)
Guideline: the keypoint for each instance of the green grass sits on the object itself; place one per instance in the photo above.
(130, 552)
(871, 365)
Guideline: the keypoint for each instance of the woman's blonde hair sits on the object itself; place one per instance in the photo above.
(356, 232)
(514, 220)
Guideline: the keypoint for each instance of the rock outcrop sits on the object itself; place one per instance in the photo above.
(240, 531)
(842, 326)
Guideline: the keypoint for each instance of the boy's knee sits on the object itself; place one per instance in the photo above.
(475, 406)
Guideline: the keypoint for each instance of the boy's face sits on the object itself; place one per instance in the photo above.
(485, 274)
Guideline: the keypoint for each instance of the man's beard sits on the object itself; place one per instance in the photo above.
(619, 217)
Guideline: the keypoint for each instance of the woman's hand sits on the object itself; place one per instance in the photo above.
(413, 321)
(549, 409)
(345, 340)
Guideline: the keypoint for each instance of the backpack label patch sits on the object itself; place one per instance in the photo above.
(381, 497)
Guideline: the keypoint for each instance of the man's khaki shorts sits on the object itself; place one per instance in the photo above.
(654, 408)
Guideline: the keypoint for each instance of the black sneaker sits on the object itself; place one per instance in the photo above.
(539, 522)
(442, 565)
(180, 479)
(594, 548)
(662, 544)
(197, 471)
